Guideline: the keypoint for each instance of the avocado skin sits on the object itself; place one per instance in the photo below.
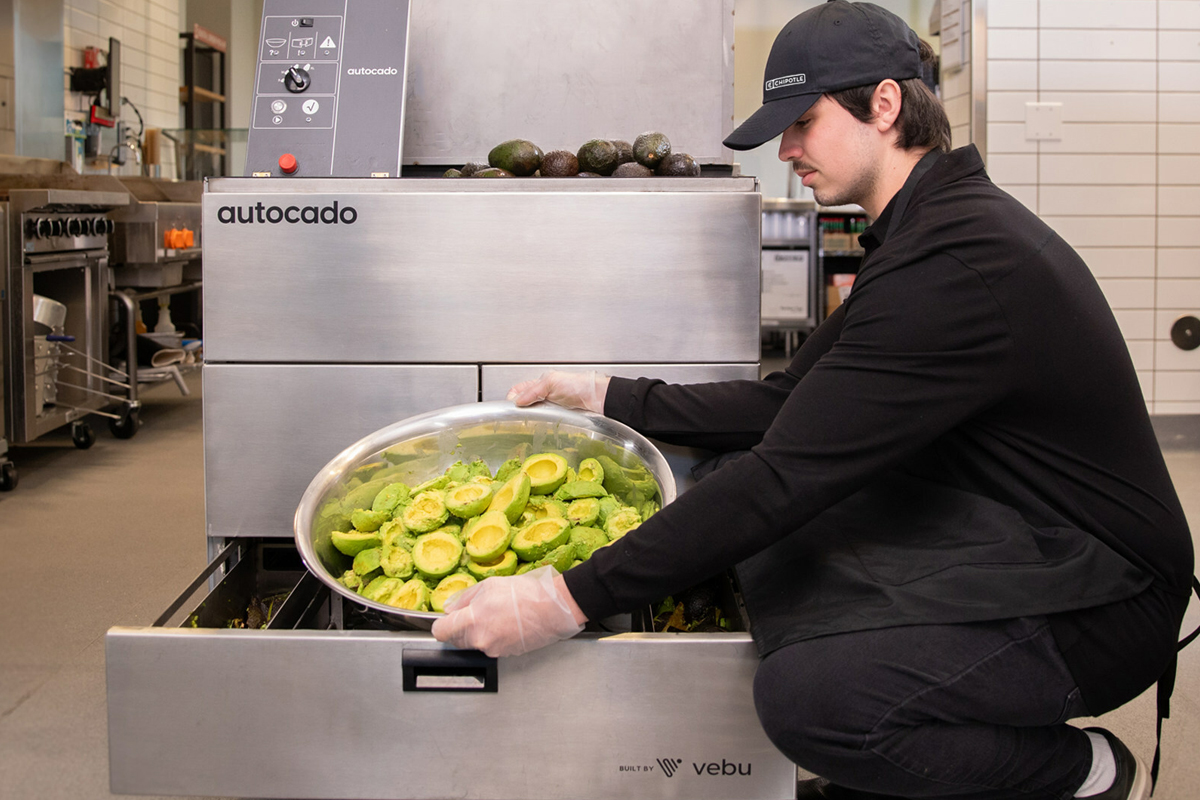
(493, 172)
(632, 169)
(598, 156)
(589, 175)
(521, 157)
(679, 165)
(650, 148)
(624, 151)
(452, 173)
(559, 164)
(471, 168)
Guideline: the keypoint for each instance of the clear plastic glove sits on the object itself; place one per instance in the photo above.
(585, 390)
(512, 615)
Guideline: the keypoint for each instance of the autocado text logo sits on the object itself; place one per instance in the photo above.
(261, 214)
(372, 71)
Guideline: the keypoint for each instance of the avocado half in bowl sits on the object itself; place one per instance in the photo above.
(387, 491)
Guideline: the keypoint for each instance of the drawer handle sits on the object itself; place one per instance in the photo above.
(448, 671)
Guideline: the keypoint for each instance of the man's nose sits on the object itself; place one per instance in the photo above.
(789, 146)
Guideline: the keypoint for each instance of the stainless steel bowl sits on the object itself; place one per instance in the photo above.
(422, 447)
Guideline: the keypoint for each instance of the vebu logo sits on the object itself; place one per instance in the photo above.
(371, 71)
(786, 80)
(669, 765)
(309, 215)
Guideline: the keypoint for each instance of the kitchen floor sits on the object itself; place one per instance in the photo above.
(109, 536)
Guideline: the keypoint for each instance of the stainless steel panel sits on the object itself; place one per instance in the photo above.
(496, 379)
(481, 72)
(484, 276)
(268, 429)
(324, 715)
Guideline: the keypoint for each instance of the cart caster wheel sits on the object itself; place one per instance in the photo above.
(8, 476)
(126, 426)
(83, 435)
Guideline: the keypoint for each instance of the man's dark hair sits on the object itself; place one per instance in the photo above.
(922, 122)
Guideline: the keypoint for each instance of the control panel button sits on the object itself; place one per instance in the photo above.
(287, 163)
(57, 228)
(44, 228)
(74, 227)
(296, 79)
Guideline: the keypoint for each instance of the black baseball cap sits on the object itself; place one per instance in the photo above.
(834, 46)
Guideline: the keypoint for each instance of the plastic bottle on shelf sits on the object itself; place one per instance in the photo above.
(164, 324)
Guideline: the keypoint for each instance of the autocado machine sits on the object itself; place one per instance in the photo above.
(364, 317)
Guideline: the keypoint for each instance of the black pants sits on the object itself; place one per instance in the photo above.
(974, 711)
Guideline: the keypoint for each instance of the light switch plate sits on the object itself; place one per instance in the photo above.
(1043, 121)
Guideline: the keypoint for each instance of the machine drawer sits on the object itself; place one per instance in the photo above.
(305, 709)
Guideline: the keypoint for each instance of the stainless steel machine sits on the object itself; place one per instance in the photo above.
(57, 248)
(337, 306)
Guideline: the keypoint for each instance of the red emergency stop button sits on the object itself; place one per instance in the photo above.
(287, 163)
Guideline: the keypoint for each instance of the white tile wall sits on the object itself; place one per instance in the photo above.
(150, 60)
(1122, 184)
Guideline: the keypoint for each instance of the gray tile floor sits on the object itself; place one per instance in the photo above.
(111, 535)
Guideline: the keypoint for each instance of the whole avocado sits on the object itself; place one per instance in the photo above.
(598, 156)
(519, 156)
(471, 168)
(679, 165)
(633, 169)
(559, 164)
(452, 173)
(624, 151)
(650, 148)
(492, 172)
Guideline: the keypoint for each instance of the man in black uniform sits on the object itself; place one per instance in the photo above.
(953, 525)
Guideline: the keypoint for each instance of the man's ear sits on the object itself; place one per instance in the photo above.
(885, 105)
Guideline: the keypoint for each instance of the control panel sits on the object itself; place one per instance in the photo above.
(329, 91)
(51, 232)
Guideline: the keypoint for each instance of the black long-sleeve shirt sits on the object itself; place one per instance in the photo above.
(975, 359)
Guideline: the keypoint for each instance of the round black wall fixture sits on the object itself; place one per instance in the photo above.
(1185, 333)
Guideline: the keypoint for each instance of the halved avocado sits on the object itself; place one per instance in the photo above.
(426, 512)
(413, 595)
(541, 536)
(649, 509)
(607, 506)
(621, 522)
(447, 588)
(381, 588)
(437, 483)
(468, 499)
(394, 534)
(560, 558)
(546, 471)
(506, 564)
(436, 554)
(367, 561)
(366, 520)
(545, 506)
(352, 543)
(512, 497)
(508, 469)
(351, 580)
(488, 536)
(591, 470)
(396, 562)
(586, 540)
(584, 511)
(577, 489)
(479, 469)
(390, 497)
